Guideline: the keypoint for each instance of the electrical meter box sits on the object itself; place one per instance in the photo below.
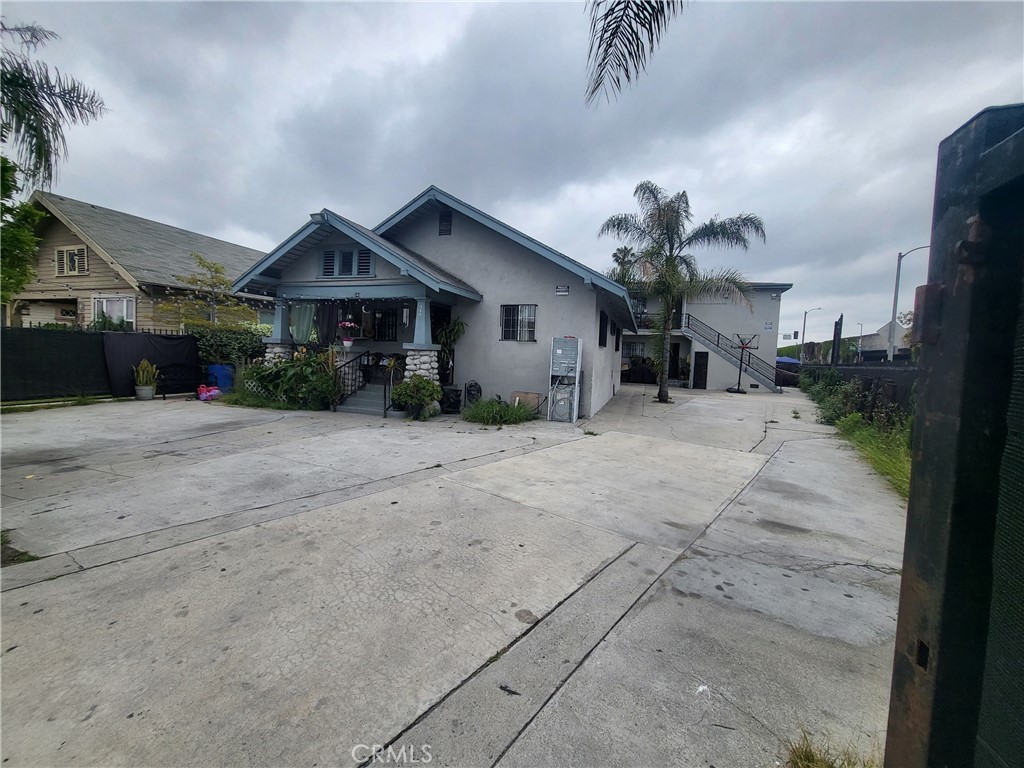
(566, 376)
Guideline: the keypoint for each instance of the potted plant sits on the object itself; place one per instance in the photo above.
(348, 329)
(146, 376)
(415, 395)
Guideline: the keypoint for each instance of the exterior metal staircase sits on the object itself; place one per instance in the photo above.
(756, 367)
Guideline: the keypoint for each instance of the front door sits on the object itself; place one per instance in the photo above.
(700, 370)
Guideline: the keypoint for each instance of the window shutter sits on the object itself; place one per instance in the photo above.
(83, 262)
(365, 262)
(330, 262)
(346, 264)
(62, 268)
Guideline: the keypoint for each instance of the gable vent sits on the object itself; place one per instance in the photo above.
(365, 263)
(330, 259)
(444, 223)
(71, 261)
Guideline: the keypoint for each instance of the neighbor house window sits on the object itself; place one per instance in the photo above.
(115, 307)
(444, 223)
(602, 331)
(633, 349)
(71, 261)
(340, 263)
(519, 322)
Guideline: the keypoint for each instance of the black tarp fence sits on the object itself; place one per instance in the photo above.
(38, 363)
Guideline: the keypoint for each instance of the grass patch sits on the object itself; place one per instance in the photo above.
(888, 452)
(806, 753)
(796, 414)
(497, 412)
(250, 400)
(11, 556)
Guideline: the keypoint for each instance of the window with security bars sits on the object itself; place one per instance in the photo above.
(339, 263)
(387, 325)
(602, 330)
(71, 261)
(518, 322)
(631, 349)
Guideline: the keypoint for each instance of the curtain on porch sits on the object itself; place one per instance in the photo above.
(326, 322)
(300, 323)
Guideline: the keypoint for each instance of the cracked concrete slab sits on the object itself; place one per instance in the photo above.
(665, 499)
(284, 643)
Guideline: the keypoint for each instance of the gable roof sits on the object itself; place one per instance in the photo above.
(320, 224)
(140, 250)
(434, 195)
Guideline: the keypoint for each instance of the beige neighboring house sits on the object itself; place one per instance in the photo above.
(93, 259)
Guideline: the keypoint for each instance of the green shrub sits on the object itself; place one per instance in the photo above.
(497, 412)
(104, 322)
(417, 391)
(228, 345)
(306, 381)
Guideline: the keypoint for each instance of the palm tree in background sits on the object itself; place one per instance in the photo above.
(623, 33)
(36, 104)
(662, 234)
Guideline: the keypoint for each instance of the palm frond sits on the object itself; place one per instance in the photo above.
(36, 104)
(734, 232)
(730, 283)
(622, 35)
(627, 227)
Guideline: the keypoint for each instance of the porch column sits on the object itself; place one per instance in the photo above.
(279, 343)
(422, 333)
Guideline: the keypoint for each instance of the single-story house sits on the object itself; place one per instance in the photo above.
(434, 259)
(92, 259)
(705, 339)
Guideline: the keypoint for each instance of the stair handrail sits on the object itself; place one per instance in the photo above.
(350, 377)
(716, 339)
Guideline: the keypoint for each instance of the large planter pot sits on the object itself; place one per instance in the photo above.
(414, 410)
(144, 393)
(347, 343)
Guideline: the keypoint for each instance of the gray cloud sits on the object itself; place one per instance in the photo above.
(824, 118)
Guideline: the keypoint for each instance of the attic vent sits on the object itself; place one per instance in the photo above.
(444, 223)
(365, 264)
(71, 261)
(330, 259)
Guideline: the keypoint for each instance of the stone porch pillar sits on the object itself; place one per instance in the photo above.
(421, 355)
(279, 345)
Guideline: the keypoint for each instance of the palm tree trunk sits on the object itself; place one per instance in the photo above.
(666, 339)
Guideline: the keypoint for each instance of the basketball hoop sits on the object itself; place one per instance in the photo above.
(746, 341)
(743, 343)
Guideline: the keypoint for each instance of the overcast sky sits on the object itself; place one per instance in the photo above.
(238, 120)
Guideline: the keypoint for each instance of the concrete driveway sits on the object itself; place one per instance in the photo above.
(223, 586)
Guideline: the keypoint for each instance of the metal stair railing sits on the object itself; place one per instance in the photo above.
(723, 346)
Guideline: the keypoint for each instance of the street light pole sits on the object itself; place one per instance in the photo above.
(896, 299)
(803, 333)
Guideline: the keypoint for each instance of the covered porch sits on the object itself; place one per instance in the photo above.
(337, 284)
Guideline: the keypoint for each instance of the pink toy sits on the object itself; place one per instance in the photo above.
(208, 393)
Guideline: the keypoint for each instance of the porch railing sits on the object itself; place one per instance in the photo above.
(355, 374)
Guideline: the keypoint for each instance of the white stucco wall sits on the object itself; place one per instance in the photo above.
(508, 273)
(729, 318)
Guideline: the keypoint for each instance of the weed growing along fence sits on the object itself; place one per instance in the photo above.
(864, 413)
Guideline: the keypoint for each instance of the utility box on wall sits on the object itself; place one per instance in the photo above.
(564, 392)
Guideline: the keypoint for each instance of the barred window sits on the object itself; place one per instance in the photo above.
(518, 322)
(631, 349)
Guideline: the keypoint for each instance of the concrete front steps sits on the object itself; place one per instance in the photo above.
(368, 401)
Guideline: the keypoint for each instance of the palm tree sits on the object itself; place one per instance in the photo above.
(35, 104)
(622, 34)
(665, 268)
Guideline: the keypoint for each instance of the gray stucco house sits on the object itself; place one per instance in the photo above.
(436, 258)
